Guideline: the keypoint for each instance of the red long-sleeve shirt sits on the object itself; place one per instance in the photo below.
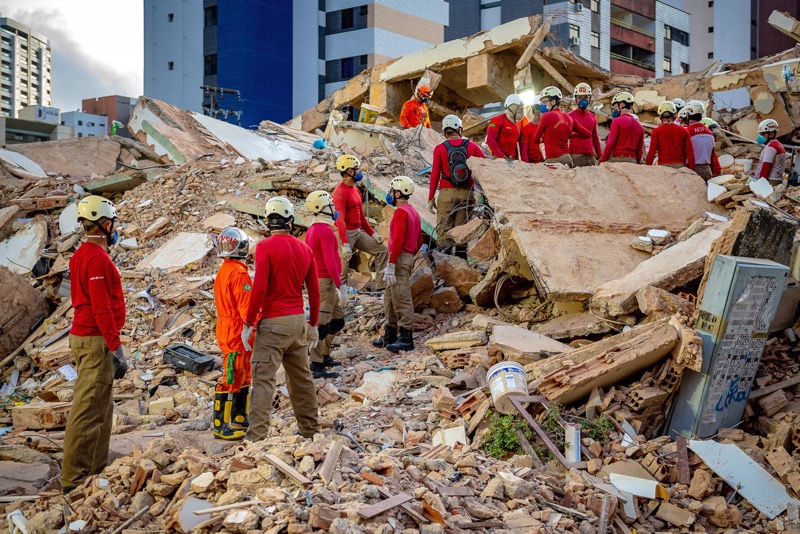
(673, 145)
(589, 146)
(283, 263)
(405, 232)
(555, 130)
(502, 136)
(322, 241)
(440, 171)
(530, 151)
(347, 201)
(96, 290)
(625, 140)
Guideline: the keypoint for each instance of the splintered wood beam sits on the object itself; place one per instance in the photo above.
(549, 69)
(536, 41)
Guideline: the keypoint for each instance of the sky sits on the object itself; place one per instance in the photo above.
(97, 46)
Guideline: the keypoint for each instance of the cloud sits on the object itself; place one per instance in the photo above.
(76, 73)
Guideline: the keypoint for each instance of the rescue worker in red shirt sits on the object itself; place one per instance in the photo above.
(585, 152)
(415, 109)
(455, 194)
(232, 297)
(99, 307)
(556, 128)
(772, 162)
(706, 163)
(625, 141)
(502, 134)
(405, 240)
(321, 239)
(670, 141)
(354, 229)
(529, 150)
(283, 265)
(679, 113)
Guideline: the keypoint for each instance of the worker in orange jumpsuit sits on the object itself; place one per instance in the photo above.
(415, 109)
(232, 297)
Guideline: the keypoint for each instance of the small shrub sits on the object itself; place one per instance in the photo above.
(501, 439)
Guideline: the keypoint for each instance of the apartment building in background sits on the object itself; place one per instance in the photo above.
(248, 60)
(114, 108)
(85, 124)
(25, 78)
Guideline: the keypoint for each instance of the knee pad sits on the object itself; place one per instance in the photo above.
(335, 326)
(324, 330)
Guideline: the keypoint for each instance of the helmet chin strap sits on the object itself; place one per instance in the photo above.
(105, 232)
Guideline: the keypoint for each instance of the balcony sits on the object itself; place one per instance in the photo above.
(633, 35)
(625, 65)
(646, 8)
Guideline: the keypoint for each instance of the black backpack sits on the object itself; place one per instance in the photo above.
(457, 158)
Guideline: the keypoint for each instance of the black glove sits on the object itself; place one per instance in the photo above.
(120, 367)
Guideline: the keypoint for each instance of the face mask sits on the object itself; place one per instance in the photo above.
(335, 215)
(332, 212)
(615, 114)
(113, 239)
(424, 99)
(359, 176)
(390, 198)
(761, 140)
(583, 104)
(543, 108)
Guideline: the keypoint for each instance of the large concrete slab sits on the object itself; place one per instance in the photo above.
(180, 251)
(574, 226)
(21, 166)
(21, 251)
(76, 157)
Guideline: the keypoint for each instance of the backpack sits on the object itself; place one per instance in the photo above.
(457, 159)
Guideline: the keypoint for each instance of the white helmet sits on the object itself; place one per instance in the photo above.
(679, 103)
(279, 206)
(513, 99)
(768, 125)
(695, 107)
(452, 122)
(403, 184)
(316, 201)
(582, 89)
(551, 92)
(232, 242)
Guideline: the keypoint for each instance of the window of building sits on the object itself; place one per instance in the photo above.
(80, 123)
(210, 65)
(347, 68)
(594, 5)
(347, 18)
(574, 32)
(170, 17)
(711, 55)
(90, 124)
(684, 67)
(711, 29)
(363, 11)
(676, 35)
(80, 134)
(90, 135)
(102, 125)
(595, 40)
(667, 64)
(210, 16)
(170, 65)
(710, 3)
(362, 60)
(667, 32)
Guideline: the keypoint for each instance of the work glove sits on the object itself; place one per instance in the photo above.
(312, 337)
(388, 275)
(344, 289)
(247, 332)
(432, 206)
(347, 252)
(378, 238)
(120, 367)
(424, 249)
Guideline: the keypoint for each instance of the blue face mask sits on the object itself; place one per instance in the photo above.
(615, 114)
(359, 176)
(424, 99)
(583, 104)
(335, 215)
(761, 140)
(543, 108)
(390, 198)
(113, 239)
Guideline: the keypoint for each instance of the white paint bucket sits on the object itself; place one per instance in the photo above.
(506, 379)
(726, 163)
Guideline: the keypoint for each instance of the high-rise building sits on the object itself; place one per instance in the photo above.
(643, 37)
(272, 59)
(115, 107)
(24, 68)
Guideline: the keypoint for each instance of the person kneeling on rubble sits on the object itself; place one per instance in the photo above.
(232, 298)
(772, 162)
(283, 264)
(671, 142)
(321, 239)
(99, 305)
(405, 240)
(625, 141)
(354, 229)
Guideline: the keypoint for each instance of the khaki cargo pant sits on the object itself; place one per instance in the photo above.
(329, 308)
(282, 340)
(566, 159)
(449, 200)
(623, 159)
(704, 171)
(88, 432)
(360, 240)
(674, 165)
(398, 304)
(583, 160)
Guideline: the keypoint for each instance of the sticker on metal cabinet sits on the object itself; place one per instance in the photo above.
(708, 322)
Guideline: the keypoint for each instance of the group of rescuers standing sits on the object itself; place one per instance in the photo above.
(262, 322)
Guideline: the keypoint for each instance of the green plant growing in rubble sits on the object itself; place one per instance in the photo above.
(501, 439)
(599, 429)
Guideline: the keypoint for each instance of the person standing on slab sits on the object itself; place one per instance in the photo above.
(283, 265)
(556, 128)
(99, 304)
(585, 152)
(625, 141)
(354, 229)
(671, 142)
(772, 162)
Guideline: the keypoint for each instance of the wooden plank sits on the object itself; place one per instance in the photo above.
(372, 478)
(368, 512)
(683, 461)
(421, 519)
(433, 514)
(331, 459)
(606, 513)
(528, 448)
(288, 470)
(775, 387)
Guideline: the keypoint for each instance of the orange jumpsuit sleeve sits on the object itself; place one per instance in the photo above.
(240, 285)
(406, 115)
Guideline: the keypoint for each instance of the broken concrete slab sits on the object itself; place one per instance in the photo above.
(20, 310)
(572, 325)
(655, 302)
(511, 343)
(21, 166)
(456, 272)
(485, 247)
(21, 251)
(376, 385)
(785, 23)
(219, 221)
(458, 340)
(574, 226)
(40, 415)
(7, 216)
(474, 229)
(446, 300)
(118, 183)
(82, 156)
(182, 250)
(421, 287)
(673, 267)
(68, 219)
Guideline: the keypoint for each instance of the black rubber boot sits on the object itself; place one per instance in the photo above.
(222, 419)
(404, 343)
(240, 409)
(327, 361)
(318, 371)
(389, 336)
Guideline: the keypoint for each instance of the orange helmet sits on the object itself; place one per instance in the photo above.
(424, 91)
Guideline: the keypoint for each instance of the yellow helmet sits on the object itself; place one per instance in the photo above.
(624, 97)
(94, 208)
(279, 206)
(551, 92)
(318, 200)
(347, 161)
(667, 107)
(709, 123)
(582, 89)
(403, 184)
